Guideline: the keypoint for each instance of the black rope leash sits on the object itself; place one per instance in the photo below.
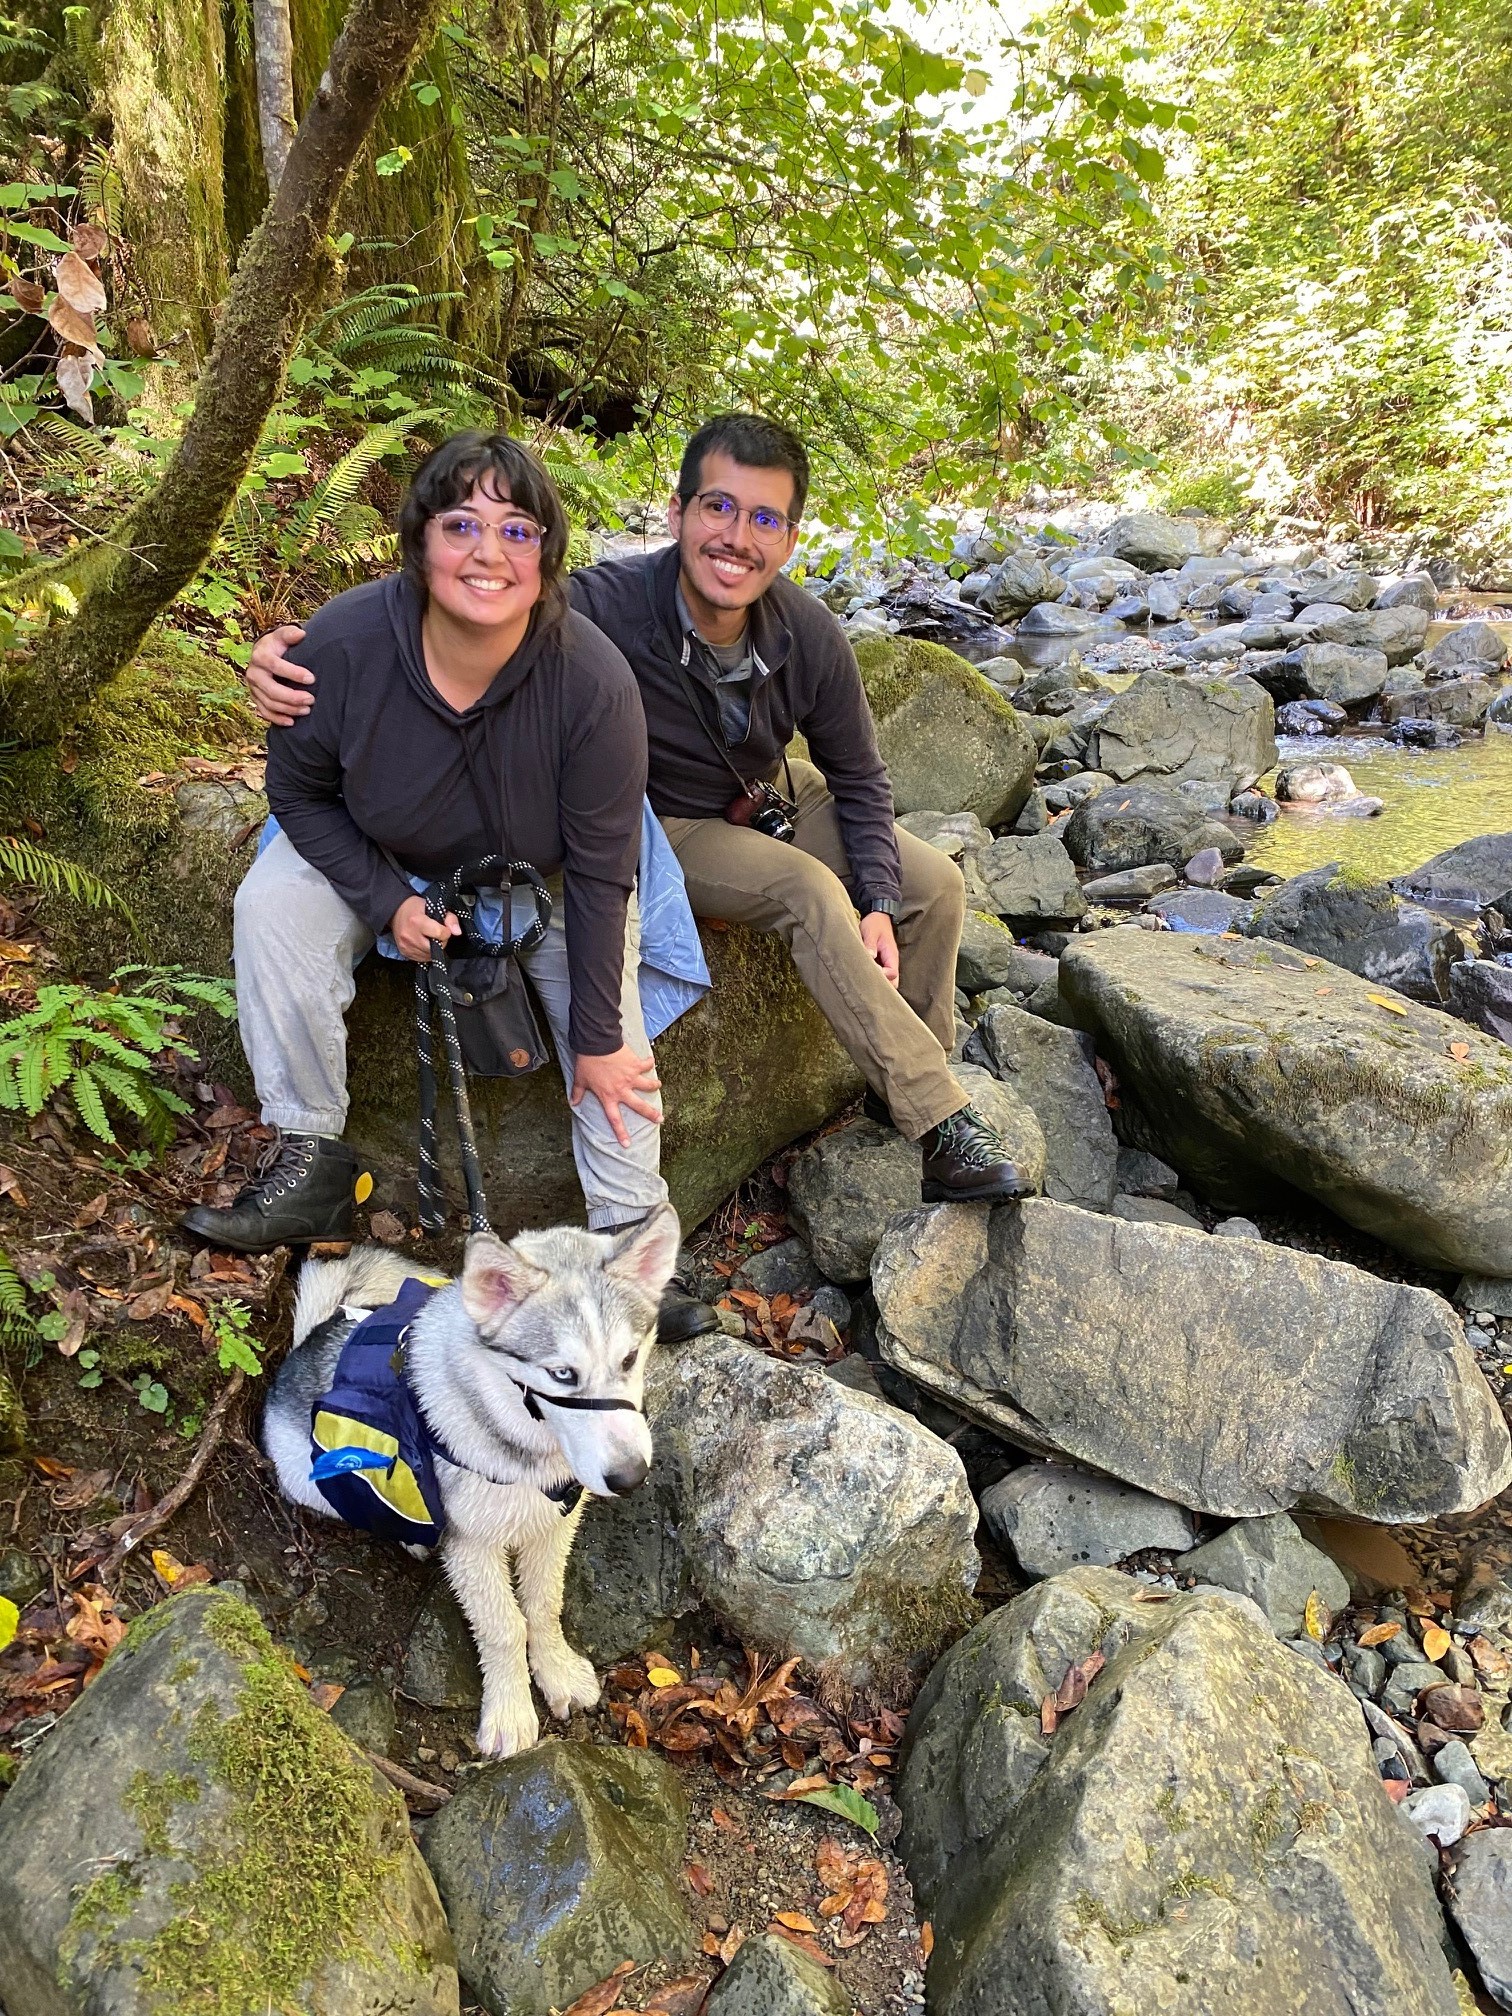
(433, 993)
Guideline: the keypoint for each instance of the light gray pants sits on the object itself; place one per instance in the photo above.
(297, 948)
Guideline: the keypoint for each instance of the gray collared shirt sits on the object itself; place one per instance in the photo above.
(731, 667)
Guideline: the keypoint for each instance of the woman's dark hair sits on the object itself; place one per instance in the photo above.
(449, 475)
(753, 441)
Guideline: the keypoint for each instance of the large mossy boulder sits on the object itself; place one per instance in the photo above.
(752, 1067)
(557, 1865)
(1233, 1376)
(197, 1835)
(950, 740)
(811, 1518)
(1206, 1831)
(1255, 1064)
(1177, 731)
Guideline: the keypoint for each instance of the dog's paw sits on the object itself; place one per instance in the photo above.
(509, 1725)
(566, 1679)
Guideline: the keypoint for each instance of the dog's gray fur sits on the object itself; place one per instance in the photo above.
(563, 1309)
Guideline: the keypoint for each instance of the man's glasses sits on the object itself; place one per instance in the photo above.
(464, 530)
(719, 513)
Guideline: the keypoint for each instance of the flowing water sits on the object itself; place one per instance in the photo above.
(1434, 799)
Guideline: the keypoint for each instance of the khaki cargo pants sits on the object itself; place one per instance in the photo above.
(900, 1038)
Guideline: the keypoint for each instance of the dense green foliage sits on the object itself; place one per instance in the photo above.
(1344, 199)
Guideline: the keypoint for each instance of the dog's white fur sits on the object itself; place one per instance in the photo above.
(565, 1309)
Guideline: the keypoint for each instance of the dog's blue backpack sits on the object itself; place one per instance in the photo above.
(370, 1447)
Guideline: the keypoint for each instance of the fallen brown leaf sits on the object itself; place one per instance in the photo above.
(79, 1490)
(601, 1998)
(1378, 1634)
(326, 1693)
(926, 1938)
(700, 1878)
(386, 1226)
(1488, 1659)
(10, 1186)
(682, 1997)
(794, 1921)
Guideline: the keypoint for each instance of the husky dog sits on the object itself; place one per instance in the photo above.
(506, 1365)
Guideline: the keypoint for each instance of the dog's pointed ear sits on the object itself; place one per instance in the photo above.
(496, 1278)
(646, 1255)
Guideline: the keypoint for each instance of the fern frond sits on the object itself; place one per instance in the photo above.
(20, 861)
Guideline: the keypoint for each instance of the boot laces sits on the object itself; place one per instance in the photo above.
(282, 1168)
(973, 1144)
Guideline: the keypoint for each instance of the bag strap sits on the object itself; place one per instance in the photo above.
(747, 784)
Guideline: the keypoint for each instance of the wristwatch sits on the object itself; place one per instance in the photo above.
(881, 906)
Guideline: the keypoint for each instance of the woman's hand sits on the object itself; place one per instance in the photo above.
(619, 1079)
(273, 684)
(412, 930)
(881, 941)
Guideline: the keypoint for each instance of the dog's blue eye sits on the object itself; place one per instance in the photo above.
(563, 1374)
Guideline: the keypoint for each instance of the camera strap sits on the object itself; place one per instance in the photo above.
(752, 787)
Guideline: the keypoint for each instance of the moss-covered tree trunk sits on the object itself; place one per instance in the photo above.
(161, 544)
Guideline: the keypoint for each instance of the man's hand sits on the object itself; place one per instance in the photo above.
(619, 1079)
(273, 698)
(412, 931)
(881, 941)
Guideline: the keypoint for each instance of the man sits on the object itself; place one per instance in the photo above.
(732, 659)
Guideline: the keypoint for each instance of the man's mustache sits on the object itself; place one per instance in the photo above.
(730, 553)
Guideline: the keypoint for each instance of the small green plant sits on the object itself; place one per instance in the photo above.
(100, 1046)
(230, 1321)
(151, 1393)
(91, 1372)
(20, 861)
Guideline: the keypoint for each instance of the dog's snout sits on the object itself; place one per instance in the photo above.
(627, 1474)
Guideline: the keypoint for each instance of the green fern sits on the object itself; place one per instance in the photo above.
(17, 1324)
(105, 1049)
(20, 861)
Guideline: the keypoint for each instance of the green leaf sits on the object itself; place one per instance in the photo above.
(428, 94)
(394, 162)
(282, 463)
(844, 1800)
(235, 1353)
(154, 1397)
(33, 234)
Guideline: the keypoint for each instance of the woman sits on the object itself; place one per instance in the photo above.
(462, 709)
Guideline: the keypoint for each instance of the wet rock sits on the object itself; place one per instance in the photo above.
(1050, 1069)
(441, 1661)
(950, 740)
(1105, 1868)
(1366, 1672)
(770, 1976)
(1479, 1896)
(1150, 541)
(1314, 784)
(1342, 915)
(556, 1865)
(985, 956)
(1462, 703)
(1138, 825)
(1237, 1228)
(1245, 1071)
(1469, 647)
(1031, 880)
(365, 1712)
(1132, 885)
(1347, 674)
(1014, 587)
(1251, 1377)
(1477, 874)
(1051, 1517)
(1205, 869)
(1162, 729)
(845, 1190)
(1407, 1681)
(1060, 619)
(20, 1577)
(196, 1819)
(786, 1268)
(1269, 1561)
(1203, 912)
(1310, 717)
(1480, 992)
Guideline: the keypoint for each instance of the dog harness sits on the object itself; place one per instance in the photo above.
(372, 1451)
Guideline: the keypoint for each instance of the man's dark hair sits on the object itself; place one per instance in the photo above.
(449, 475)
(752, 439)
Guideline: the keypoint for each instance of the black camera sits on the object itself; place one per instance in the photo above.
(764, 809)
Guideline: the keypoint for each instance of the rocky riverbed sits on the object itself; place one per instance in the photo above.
(1103, 1601)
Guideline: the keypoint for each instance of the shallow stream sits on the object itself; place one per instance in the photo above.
(1434, 799)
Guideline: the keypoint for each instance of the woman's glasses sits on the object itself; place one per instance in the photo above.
(719, 513)
(465, 530)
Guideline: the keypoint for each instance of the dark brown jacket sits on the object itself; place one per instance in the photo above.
(811, 686)
(548, 767)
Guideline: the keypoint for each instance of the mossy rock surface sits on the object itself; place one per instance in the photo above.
(1254, 1062)
(751, 1068)
(198, 1839)
(950, 740)
(556, 1866)
(1206, 1831)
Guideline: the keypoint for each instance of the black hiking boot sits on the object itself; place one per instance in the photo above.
(966, 1163)
(306, 1193)
(682, 1315)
